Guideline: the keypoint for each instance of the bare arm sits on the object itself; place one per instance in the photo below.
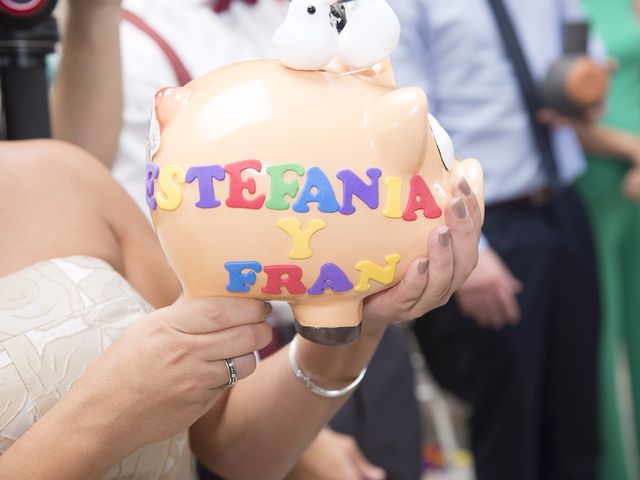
(87, 96)
(608, 141)
(71, 442)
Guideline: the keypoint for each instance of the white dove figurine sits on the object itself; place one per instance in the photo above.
(371, 34)
(307, 40)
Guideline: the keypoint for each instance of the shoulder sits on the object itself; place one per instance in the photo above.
(51, 161)
(52, 182)
(56, 176)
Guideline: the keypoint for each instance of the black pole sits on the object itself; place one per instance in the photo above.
(23, 79)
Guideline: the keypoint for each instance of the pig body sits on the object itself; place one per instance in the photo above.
(314, 188)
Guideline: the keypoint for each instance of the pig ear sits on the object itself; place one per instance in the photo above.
(397, 124)
(169, 102)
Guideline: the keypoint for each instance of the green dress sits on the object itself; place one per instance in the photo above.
(616, 222)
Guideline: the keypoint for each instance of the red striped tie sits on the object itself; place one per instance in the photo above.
(220, 6)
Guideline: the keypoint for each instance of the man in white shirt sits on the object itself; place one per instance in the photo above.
(202, 39)
(519, 340)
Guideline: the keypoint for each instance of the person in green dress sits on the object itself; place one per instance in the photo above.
(611, 190)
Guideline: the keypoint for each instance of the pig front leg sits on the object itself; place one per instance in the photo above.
(333, 323)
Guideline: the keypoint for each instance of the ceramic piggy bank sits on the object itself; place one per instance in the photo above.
(311, 187)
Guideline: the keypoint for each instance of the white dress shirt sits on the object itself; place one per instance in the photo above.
(453, 49)
(203, 40)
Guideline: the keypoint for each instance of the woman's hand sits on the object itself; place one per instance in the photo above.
(334, 456)
(156, 380)
(168, 369)
(430, 282)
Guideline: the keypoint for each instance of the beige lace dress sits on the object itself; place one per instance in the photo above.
(55, 318)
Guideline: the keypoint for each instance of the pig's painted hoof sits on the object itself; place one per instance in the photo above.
(330, 336)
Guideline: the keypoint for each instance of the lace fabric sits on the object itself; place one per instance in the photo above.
(55, 318)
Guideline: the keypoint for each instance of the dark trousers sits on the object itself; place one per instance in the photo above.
(532, 387)
(382, 415)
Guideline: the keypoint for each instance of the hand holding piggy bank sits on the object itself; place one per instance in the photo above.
(315, 188)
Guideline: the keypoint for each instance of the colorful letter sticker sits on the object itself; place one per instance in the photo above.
(239, 281)
(205, 176)
(421, 198)
(355, 186)
(280, 188)
(169, 197)
(370, 271)
(317, 189)
(331, 278)
(283, 276)
(300, 239)
(237, 185)
(152, 174)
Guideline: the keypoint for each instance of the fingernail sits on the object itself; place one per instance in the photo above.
(445, 238)
(459, 208)
(268, 308)
(423, 266)
(464, 187)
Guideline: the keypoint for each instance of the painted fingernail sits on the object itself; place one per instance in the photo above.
(445, 238)
(423, 266)
(459, 208)
(464, 187)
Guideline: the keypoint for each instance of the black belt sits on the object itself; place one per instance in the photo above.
(539, 198)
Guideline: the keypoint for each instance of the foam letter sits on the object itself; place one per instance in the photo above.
(331, 277)
(287, 276)
(299, 239)
(152, 173)
(169, 197)
(393, 208)
(280, 188)
(421, 198)
(240, 282)
(370, 271)
(237, 185)
(318, 189)
(205, 176)
(353, 185)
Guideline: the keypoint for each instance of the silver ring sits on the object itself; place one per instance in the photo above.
(231, 370)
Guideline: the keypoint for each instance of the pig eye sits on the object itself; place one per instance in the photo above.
(311, 10)
(443, 142)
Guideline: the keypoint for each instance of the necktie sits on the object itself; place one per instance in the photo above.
(220, 6)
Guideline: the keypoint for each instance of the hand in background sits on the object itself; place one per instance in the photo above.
(489, 296)
(334, 456)
(590, 116)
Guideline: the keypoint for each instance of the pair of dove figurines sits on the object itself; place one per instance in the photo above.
(309, 38)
